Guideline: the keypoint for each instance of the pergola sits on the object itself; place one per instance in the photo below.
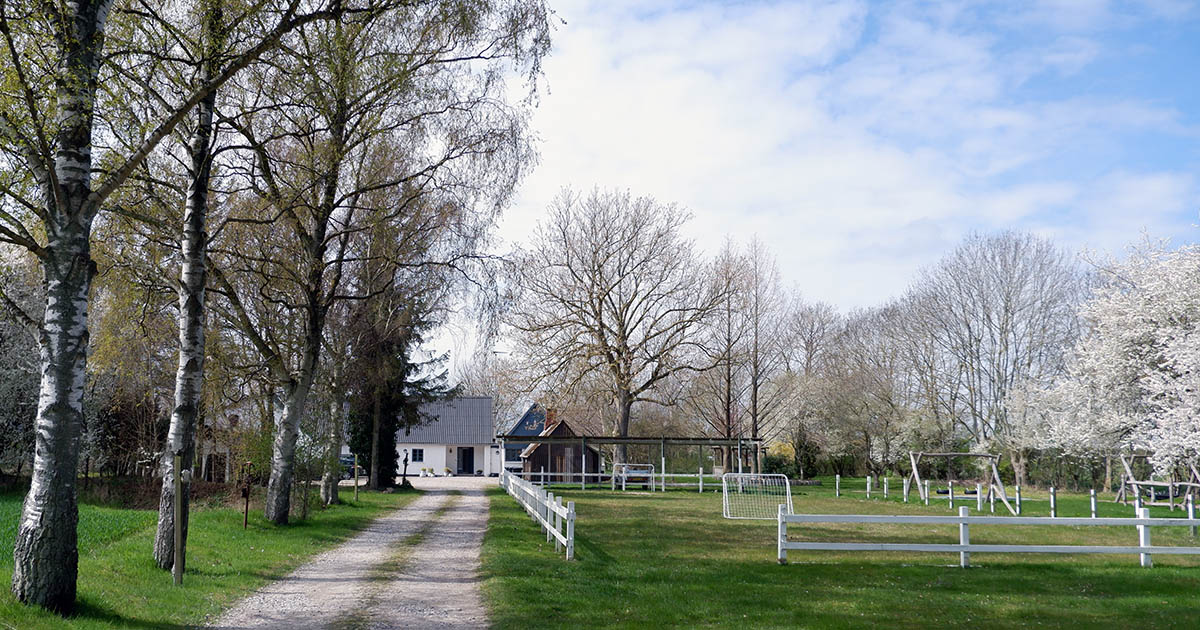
(995, 484)
(662, 442)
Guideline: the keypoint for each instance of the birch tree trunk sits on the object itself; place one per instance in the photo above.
(283, 453)
(45, 554)
(333, 466)
(189, 377)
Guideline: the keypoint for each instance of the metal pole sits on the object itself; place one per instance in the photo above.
(885, 487)
(1053, 503)
(837, 485)
(1018, 500)
(177, 566)
(926, 492)
(1144, 537)
(868, 486)
(978, 497)
(951, 494)
(582, 463)
(1093, 501)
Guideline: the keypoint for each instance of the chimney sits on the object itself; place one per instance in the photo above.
(551, 418)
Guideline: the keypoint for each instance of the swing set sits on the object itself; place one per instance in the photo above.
(1152, 492)
(995, 486)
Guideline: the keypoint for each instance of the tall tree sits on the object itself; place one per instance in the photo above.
(53, 56)
(609, 285)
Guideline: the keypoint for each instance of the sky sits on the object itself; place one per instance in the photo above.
(861, 141)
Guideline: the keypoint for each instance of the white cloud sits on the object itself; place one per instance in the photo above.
(859, 142)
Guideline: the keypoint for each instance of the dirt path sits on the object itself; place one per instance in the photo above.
(414, 568)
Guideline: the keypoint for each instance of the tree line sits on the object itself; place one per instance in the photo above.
(1007, 344)
(291, 189)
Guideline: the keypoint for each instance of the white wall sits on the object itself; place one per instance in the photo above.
(439, 457)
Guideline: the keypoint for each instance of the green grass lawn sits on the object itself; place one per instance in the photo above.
(119, 586)
(670, 560)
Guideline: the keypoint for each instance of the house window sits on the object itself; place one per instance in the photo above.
(418, 455)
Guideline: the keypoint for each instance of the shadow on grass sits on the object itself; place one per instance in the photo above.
(87, 610)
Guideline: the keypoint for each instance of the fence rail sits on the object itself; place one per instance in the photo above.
(545, 509)
(1143, 523)
(656, 482)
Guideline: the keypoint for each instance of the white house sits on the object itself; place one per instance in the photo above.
(461, 438)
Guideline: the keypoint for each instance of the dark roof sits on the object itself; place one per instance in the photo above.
(466, 420)
(561, 429)
(531, 423)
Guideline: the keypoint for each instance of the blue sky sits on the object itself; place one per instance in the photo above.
(862, 141)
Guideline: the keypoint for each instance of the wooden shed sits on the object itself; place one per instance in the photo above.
(563, 459)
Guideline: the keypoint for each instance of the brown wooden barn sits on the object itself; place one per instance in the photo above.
(563, 459)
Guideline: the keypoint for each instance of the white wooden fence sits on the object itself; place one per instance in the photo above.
(656, 482)
(545, 509)
(1143, 522)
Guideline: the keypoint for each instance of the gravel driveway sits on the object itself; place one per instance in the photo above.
(384, 577)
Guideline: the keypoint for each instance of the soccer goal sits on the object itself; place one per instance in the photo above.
(751, 496)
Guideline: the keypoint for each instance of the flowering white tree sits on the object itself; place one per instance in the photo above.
(1133, 380)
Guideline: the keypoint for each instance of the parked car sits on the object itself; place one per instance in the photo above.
(347, 462)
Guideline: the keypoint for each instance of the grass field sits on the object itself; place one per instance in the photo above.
(670, 560)
(119, 586)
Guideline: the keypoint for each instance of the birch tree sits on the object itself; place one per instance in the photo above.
(608, 285)
(397, 122)
(54, 57)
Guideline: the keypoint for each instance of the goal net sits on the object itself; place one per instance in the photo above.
(753, 496)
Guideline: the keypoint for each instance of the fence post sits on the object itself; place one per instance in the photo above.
(1018, 500)
(991, 498)
(701, 478)
(1137, 500)
(907, 483)
(964, 537)
(781, 536)
(885, 488)
(1144, 537)
(612, 479)
(868, 486)
(1053, 503)
(837, 485)
(548, 501)
(1093, 500)
(951, 494)
(570, 530)
(1191, 511)
(978, 497)
(542, 477)
(663, 479)
(926, 492)
(557, 523)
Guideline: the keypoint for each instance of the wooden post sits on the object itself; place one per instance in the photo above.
(951, 494)
(907, 483)
(781, 535)
(356, 476)
(547, 501)
(1137, 500)
(570, 530)
(700, 477)
(542, 477)
(583, 463)
(1093, 502)
(926, 492)
(662, 485)
(978, 497)
(1018, 500)
(885, 488)
(1053, 503)
(1144, 537)
(868, 486)
(1191, 512)
(964, 538)
(991, 499)
(837, 485)
(177, 565)
(557, 523)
